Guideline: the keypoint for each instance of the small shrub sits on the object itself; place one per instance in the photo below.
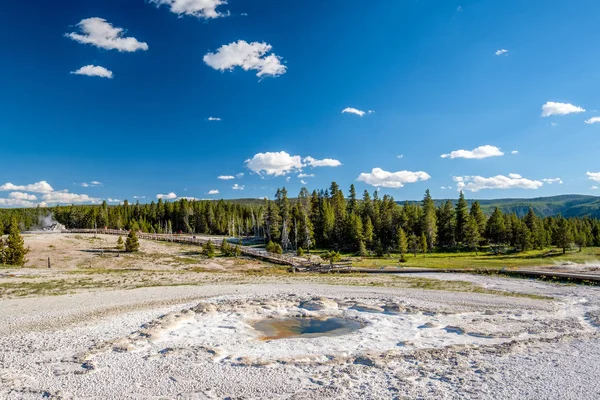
(120, 244)
(132, 243)
(274, 248)
(209, 249)
(300, 252)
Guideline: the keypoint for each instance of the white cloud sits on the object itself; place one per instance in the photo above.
(277, 164)
(553, 108)
(213, 191)
(592, 120)
(244, 14)
(22, 196)
(445, 187)
(514, 152)
(380, 178)
(38, 187)
(248, 56)
(206, 9)
(326, 162)
(169, 196)
(225, 177)
(595, 176)
(188, 198)
(91, 184)
(303, 182)
(500, 52)
(352, 110)
(400, 156)
(113, 200)
(553, 124)
(288, 178)
(238, 187)
(282, 163)
(94, 70)
(512, 181)
(64, 197)
(214, 118)
(16, 203)
(306, 175)
(240, 175)
(100, 33)
(594, 187)
(139, 197)
(550, 181)
(478, 152)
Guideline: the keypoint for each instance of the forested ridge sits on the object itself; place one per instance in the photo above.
(330, 219)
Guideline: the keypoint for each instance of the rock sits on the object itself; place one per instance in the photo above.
(318, 303)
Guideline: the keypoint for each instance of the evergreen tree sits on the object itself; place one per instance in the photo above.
(120, 244)
(495, 228)
(429, 220)
(471, 236)
(564, 235)
(413, 244)
(132, 244)
(368, 232)
(479, 217)
(402, 244)
(14, 251)
(446, 225)
(462, 216)
(423, 245)
(225, 248)
(208, 249)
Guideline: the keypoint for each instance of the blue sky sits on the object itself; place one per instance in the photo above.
(486, 77)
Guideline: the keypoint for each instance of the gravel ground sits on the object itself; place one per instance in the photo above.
(197, 342)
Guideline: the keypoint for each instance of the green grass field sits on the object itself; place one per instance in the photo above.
(481, 260)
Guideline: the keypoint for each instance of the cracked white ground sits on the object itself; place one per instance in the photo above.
(199, 342)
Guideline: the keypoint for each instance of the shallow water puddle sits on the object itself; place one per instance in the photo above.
(305, 327)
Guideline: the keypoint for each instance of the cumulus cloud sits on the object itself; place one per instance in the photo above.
(169, 196)
(22, 196)
(592, 120)
(38, 187)
(282, 163)
(206, 9)
(214, 118)
(594, 187)
(225, 177)
(550, 181)
(500, 52)
(274, 163)
(595, 176)
(94, 70)
(303, 175)
(213, 191)
(352, 110)
(326, 162)
(16, 203)
(512, 181)
(238, 187)
(514, 152)
(100, 33)
(380, 178)
(553, 108)
(478, 152)
(113, 200)
(248, 56)
(64, 197)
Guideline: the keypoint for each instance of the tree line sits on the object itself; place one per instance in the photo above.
(332, 220)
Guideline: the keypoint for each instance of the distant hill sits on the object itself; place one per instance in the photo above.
(568, 205)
